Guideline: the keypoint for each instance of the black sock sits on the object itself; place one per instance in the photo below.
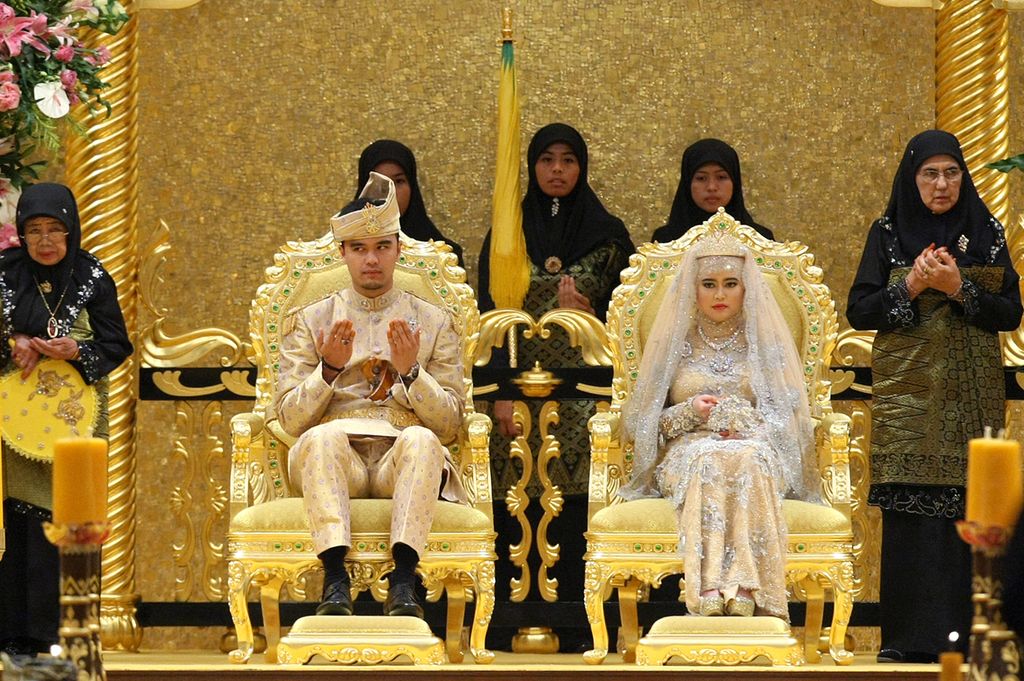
(334, 564)
(406, 560)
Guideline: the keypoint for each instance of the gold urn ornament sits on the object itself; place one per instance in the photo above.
(537, 382)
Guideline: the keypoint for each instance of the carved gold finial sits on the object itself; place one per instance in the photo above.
(506, 24)
(537, 382)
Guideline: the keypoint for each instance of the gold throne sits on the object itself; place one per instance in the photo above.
(269, 544)
(632, 546)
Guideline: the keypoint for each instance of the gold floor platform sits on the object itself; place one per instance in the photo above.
(207, 666)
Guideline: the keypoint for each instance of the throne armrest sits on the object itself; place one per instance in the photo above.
(606, 464)
(246, 443)
(834, 461)
(477, 467)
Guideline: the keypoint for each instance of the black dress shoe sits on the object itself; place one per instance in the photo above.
(337, 599)
(889, 655)
(402, 601)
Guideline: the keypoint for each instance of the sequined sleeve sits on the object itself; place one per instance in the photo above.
(876, 301)
(900, 311)
(678, 419)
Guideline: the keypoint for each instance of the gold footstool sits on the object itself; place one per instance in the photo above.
(365, 639)
(719, 640)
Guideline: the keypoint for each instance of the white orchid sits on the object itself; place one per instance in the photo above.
(9, 195)
(51, 99)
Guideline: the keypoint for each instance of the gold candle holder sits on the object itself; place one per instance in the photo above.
(80, 568)
(994, 649)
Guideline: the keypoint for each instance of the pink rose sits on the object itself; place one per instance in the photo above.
(8, 236)
(68, 79)
(10, 96)
(103, 54)
(64, 53)
(73, 98)
(7, 77)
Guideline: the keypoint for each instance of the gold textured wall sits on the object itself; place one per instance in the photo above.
(252, 116)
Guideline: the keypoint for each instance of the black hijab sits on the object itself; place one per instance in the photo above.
(582, 224)
(30, 314)
(917, 227)
(415, 222)
(685, 212)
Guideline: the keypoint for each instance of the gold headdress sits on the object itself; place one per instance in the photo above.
(371, 220)
(719, 251)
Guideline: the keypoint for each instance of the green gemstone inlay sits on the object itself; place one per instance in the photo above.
(277, 483)
(638, 547)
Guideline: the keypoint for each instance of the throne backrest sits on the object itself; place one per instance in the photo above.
(305, 272)
(795, 280)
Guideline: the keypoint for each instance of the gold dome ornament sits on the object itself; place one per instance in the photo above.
(537, 382)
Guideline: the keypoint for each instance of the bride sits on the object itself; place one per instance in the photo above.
(721, 427)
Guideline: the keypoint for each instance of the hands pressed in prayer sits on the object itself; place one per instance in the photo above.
(335, 347)
(569, 297)
(934, 268)
(405, 345)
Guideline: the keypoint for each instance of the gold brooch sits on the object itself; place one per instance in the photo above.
(553, 264)
(46, 286)
(372, 223)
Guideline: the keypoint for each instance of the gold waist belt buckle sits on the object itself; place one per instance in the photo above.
(399, 419)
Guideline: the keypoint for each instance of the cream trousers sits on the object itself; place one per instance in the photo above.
(333, 469)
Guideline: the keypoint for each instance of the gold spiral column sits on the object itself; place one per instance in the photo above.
(972, 101)
(102, 170)
(971, 91)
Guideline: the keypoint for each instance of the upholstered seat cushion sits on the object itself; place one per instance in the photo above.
(658, 516)
(368, 515)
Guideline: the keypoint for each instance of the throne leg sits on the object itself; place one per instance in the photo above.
(456, 614)
(628, 595)
(812, 623)
(270, 602)
(238, 587)
(842, 589)
(595, 583)
(484, 581)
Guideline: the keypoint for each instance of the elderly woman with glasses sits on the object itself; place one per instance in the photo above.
(936, 282)
(57, 302)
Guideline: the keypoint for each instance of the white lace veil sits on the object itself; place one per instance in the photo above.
(774, 366)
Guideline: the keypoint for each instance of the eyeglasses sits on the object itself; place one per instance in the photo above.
(57, 236)
(931, 175)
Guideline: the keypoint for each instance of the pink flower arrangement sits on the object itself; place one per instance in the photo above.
(45, 70)
(8, 236)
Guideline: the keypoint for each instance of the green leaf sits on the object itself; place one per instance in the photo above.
(1008, 164)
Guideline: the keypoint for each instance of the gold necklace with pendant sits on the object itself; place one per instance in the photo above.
(52, 327)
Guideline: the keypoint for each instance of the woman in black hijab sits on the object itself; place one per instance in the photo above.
(710, 178)
(936, 282)
(576, 250)
(58, 302)
(396, 161)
